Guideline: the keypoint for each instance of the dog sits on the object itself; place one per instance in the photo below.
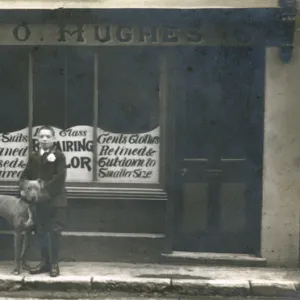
(19, 213)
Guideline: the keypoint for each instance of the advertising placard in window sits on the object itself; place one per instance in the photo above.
(77, 145)
(128, 158)
(13, 154)
(123, 158)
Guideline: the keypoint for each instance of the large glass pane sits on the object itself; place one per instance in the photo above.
(63, 98)
(128, 123)
(13, 112)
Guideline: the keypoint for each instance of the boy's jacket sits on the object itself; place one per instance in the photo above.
(53, 173)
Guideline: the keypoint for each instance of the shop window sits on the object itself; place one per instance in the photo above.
(103, 104)
(63, 98)
(128, 115)
(13, 112)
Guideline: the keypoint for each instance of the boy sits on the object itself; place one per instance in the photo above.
(49, 165)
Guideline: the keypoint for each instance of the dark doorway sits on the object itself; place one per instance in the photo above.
(220, 150)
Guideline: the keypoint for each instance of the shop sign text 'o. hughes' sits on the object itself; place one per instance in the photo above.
(96, 34)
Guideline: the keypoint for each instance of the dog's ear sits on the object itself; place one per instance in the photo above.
(23, 184)
(41, 183)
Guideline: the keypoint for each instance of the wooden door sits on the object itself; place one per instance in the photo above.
(220, 151)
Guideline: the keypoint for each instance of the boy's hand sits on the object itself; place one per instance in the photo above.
(45, 197)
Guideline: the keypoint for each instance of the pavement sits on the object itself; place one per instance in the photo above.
(157, 279)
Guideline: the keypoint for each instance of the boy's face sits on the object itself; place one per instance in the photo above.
(46, 139)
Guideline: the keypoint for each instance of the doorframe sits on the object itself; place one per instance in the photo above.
(174, 93)
(175, 129)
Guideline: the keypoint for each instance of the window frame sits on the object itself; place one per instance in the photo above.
(163, 104)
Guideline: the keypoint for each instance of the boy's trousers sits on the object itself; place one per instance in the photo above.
(49, 223)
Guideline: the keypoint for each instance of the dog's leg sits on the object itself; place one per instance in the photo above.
(17, 246)
(29, 222)
(27, 237)
(25, 247)
(25, 244)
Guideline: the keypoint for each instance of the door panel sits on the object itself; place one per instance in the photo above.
(220, 150)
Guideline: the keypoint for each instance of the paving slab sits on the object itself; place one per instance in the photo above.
(10, 282)
(273, 288)
(219, 287)
(225, 287)
(60, 283)
(130, 284)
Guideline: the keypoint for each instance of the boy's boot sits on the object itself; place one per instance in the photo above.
(55, 238)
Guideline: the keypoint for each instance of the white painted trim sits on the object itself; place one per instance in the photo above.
(154, 4)
(101, 234)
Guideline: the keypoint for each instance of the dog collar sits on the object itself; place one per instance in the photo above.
(25, 200)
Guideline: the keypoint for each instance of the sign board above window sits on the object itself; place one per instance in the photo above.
(96, 35)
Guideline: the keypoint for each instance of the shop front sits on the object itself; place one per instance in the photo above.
(160, 113)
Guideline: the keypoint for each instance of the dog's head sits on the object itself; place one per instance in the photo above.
(31, 190)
